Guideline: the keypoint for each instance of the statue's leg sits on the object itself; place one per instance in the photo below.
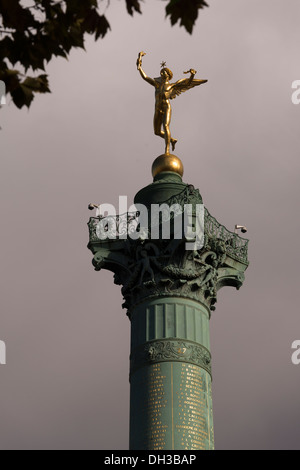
(166, 124)
(157, 122)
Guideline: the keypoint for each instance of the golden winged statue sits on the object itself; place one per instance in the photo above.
(164, 92)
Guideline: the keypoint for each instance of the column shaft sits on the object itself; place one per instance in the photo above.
(170, 376)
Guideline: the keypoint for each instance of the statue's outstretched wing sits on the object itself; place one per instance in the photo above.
(184, 85)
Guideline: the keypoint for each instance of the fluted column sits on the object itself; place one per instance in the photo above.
(170, 376)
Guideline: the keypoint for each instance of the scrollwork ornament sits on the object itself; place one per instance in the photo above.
(171, 350)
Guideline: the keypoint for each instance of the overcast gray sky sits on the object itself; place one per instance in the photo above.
(65, 384)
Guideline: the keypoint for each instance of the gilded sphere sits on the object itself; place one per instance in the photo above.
(167, 163)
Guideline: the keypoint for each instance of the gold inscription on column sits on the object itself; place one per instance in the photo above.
(194, 408)
(156, 402)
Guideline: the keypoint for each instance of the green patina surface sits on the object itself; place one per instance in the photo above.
(169, 294)
(171, 408)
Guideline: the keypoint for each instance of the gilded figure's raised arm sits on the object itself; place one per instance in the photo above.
(140, 69)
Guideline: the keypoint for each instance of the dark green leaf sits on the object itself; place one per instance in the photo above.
(10, 78)
(15, 16)
(22, 96)
(38, 84)
(132, 6)
(102, 27)
(186, 11)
